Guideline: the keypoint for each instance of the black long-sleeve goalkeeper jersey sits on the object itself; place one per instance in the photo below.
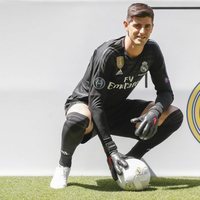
(112, 75)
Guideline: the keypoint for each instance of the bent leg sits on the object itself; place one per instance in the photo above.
(78, 122)
(169, 122)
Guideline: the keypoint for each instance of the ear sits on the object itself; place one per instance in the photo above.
(125, 24)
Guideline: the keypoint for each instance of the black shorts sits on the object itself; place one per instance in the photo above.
(119, 118)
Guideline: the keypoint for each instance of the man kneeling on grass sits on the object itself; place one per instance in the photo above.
(99, 104)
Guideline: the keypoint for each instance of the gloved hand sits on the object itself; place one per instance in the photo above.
(116, 161)
(149, 122)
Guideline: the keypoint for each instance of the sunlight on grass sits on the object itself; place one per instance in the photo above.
(86, 188)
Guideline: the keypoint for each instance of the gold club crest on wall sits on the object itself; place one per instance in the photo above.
(193, 112)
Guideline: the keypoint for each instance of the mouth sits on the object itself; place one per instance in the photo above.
(141, 37)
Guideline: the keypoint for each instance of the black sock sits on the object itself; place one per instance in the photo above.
(170, 125)
(72, 135)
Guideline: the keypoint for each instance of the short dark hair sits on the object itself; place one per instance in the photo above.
(139, 10)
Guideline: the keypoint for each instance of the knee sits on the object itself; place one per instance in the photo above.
(83, 111)
(174, 119)
(75, 120)
(177, 116)
(167, 113)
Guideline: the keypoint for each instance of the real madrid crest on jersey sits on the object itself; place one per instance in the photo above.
(120, 64)
(144, 67)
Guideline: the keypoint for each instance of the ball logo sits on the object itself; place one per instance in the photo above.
(99, 83)
(193, 112)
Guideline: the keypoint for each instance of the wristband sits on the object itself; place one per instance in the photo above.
(109, 146)
(157, 107)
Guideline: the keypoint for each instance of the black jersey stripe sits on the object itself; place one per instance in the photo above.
(106, 53)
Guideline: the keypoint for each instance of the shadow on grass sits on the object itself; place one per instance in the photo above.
(108, 185)
(102, 185)
(174, 183)
(105, 185)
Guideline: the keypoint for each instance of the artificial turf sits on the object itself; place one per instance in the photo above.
(97, 188)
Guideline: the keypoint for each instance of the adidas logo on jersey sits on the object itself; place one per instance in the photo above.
(119, 73)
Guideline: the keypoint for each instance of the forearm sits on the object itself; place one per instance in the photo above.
(101, 125)
(165, 98)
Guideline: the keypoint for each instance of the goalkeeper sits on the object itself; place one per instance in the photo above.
(99, 104)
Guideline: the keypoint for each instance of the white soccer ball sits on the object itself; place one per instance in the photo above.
(135, 177)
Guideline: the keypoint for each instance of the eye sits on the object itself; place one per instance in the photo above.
(137, 26)
(148, 26)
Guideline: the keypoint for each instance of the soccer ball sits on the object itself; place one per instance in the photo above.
(135, 177)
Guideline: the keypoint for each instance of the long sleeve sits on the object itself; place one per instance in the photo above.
(101, 71)
(161, 80)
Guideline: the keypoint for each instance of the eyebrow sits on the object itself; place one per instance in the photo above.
(137, 23)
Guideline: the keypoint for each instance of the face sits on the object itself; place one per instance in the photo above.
(139, 30)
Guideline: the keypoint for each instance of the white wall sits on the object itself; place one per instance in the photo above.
(44, 50)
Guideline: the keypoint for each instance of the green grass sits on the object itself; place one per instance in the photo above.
(95, 188)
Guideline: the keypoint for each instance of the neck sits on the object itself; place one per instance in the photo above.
(133, 50)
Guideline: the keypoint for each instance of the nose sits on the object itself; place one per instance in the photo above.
(142, 30)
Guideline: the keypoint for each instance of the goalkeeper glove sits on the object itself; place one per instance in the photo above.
(148, 122)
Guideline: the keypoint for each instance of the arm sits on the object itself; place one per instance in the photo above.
(149, 121)
(101, 71)
(161, 81)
